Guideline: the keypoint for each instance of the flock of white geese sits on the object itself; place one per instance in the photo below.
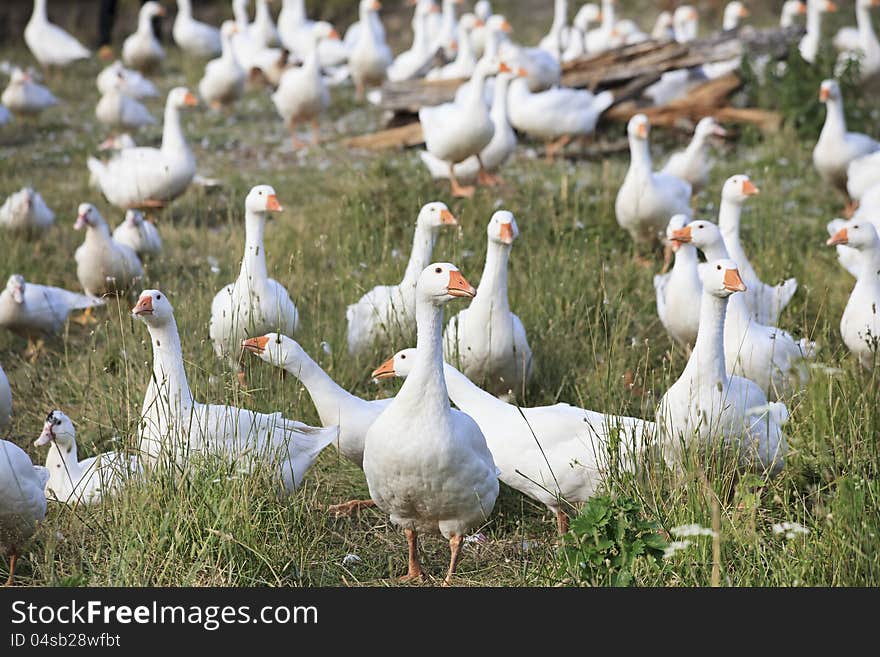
(433, 468)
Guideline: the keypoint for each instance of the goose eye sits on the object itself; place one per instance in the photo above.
(403, 357)
(856, 227)
(438, 270)
(158, 296)
(718, 267)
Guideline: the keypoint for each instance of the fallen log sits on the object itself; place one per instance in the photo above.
(400, 137)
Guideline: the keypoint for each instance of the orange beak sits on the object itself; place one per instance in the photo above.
(504, 68)
(802, 8)
(459, 287)
(507, 233)
(642, 131)
(506, 27)
(682, 235)
(447, 218)
(823, 94)
(521, 72)
(376, 6)
(272, 204)
(255, 345)
(749, 188)
(161, 11)
(333, 35)
(385, 370)
(144, 306)
(733, 282)
(434, 9)
(830, 6)
(840, 237)
(479, 23)
(190, 100)
(453, 46)
(743, 12)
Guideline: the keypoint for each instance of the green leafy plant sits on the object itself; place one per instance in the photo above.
(606, 540)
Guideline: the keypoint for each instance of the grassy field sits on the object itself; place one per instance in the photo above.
(583, 291)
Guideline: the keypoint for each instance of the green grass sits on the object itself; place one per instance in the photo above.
(582, 290)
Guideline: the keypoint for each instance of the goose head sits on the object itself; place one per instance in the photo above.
(829, 90)
(483, 10)
(181, 97)
(441, 282)
(639, 127)
(435, 215)
(19, 77)
(399, 365)
(369, 6)
(701, 233)
(15, 287)
(228, 29)
(733, 12)
(867, 4)
(685, 21)
(133, 218)
(152, 9)
(502, 228)
(708, 127)
(677, 222)
(276, 349)
(489, 66)
(469, 22)
(856, 233)
(588, 14)
(737, 189)
(153, 308)
(663, 26)
(87, 216)
(324, 31)
(262, 200)
(721, 279)
(816, 7)
(498, 23)
(790, 11)
(59, 429)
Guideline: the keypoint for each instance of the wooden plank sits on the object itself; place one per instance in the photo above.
(400, 137)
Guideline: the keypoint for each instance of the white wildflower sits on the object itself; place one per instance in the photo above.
(691, 530)
(479, 538)
(350, 559)
(790, 529)
(675, 546)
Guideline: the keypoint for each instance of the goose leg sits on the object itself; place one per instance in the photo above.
(316, 132)
(850, 209)
(459, 191)
(88, 317)
(295, 141)
(454, 554)
(414, 569)
(555, 146)
(348, 508)
(34, 349)
(667, 257)
(13, 557)
(359, 91)
(486, 178)
(561, 522)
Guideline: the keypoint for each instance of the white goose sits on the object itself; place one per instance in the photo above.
(791, 9)
(254, 304)
(767, 355)
(196, 38)
(22, 501)
(556, 454)
(34, 311)
(646, 200)
(734, 12)
(428, 466)
(5, 401)
(600, 39)
(556, 115)
(869, 211)
(483, 11)
(139, 234)
(250, 52)
(556, 42)
(5, 116)
(50, 45)
(294, 28)
(809, 43)
(678, 291)
(663, 29)
(116, 109)
(26, 211)
(302, 95)
(387, 310)
(837, 148)
(175, 427)
(862, 174)
(465, 60)
(103, 265)
(142, 50)
(860, 323)
(585, 17)
(416, 61)
(486, 340)
(150, 177)
(370, 56)
(25, 97)
(716, 409)
(446, 39)
(72, 481)
(692, 163)
(335, 405)
(263, 29)
(498, 150)
(765, 302)
(865, 48)
(456, 131)
(133, 83)
(685, 23)
(224, 78)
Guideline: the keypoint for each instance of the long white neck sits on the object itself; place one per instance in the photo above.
(608, 15)
(866, 27)
(39, 13)
(169, 374)
(835, 121)
(329, 397)
(420, 256)
(70, 469)
(469, 397)
(253, 265)
(499, 100)
(560, 16)
(97, 234)
(184, 9)
(145, 24)
(425, 387)
(449, 13)
(420, 33)
(728, 222)
(715, 251)
(297, 9)
(640, 157)
(698, 145)
(240, 12)
(475, 99)
(262, 14)
(814, 21)
(707, 359)
(685, 258)
(868, 280)
(465, 51)
(227, 53)
(492, 295)
(173, 139)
